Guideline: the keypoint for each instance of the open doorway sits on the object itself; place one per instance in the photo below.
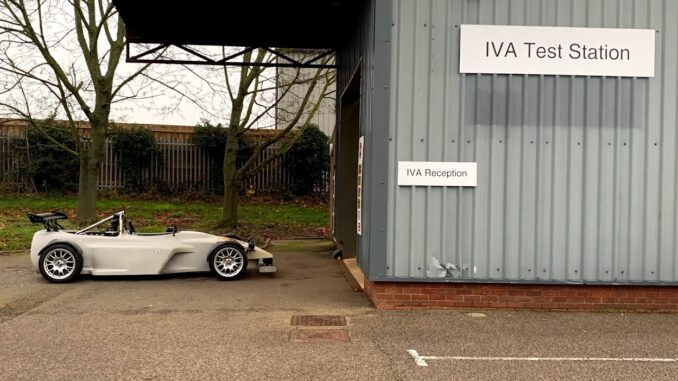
(346, 169)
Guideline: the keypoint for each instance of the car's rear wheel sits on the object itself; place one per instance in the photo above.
(228, 261)
(60, 263)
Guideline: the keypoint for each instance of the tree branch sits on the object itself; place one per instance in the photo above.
(117, 47)
(289, 143)
(180, 93)
(244, 121)
(228, 83)
(248, 167)
(27, 116)
(23, 18)
(268, 108)
(130, 79)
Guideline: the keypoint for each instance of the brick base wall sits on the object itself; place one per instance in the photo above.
(406, 295)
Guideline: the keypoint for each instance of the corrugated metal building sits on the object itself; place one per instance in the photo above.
(291, 97)
(577, 176)
(576, 194)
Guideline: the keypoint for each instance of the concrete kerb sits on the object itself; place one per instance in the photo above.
(10, 252)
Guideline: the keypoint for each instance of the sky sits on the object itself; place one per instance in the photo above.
(187, 114)
(164, 107)
(169, 94)
(166, 93)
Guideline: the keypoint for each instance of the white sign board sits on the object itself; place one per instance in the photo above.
(359, 212)
(500, 49)
(445, 174)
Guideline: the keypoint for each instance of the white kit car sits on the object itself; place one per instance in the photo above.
(113, 247)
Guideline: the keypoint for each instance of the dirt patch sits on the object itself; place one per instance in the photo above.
(284, 231)
(314, 246)
(319, 334)
(26, 303)
(318, 320)
(278, 200)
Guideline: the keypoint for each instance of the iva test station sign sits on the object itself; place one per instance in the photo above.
(499, 49)
(432, 173)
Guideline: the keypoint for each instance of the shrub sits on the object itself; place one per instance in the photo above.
(50, 168)
(136, 149)
(308, 160)
(212, 139)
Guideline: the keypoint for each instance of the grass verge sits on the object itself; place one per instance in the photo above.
(261, 219)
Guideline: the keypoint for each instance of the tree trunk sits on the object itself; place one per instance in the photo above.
(231, 184)
(230, 217)
(87, 188)
(90, 160)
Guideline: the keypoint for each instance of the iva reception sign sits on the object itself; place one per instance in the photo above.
(437, 173)
(501, 49)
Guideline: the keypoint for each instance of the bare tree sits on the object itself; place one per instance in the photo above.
(247, 96)
(249, 104)
(61, 57)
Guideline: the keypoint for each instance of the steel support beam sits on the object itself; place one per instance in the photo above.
(194, 57)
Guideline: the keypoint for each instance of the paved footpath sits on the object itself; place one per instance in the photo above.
(195, 327)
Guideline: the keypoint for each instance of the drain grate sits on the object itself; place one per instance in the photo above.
(320, 334)
(318, 320)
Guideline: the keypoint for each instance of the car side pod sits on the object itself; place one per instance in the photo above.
(266, 266)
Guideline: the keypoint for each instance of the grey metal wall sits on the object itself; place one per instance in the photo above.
(367, 54)
(577, 176)
(355, 58)
(325, 116)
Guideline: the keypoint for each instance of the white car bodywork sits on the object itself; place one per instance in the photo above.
(130, 253)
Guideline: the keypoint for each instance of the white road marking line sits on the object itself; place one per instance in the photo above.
(421, 360)
(417, 359)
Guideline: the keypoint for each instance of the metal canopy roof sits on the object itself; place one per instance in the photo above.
(303, 24)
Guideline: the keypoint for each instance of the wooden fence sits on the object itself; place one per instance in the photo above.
(10, 175)
(183, 165)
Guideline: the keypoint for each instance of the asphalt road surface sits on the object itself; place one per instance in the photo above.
(195, 327)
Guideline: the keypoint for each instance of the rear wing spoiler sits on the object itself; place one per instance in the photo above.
(49, 220)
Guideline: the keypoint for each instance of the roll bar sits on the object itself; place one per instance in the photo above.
(120, 216)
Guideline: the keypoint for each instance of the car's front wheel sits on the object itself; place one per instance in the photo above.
(60, 263)
(228, 261)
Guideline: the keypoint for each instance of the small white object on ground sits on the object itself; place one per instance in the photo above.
(476, 314)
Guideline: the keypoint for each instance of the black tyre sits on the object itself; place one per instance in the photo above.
(60, 263)
(228, 261)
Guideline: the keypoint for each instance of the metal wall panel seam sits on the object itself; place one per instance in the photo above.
(584, 183)
(474, 238)
(656, 146)
(660, 188)
(395, 99)
(505, 220)
(411, 157)
(444, 255)
(645, 160)
(428, 130)
(601, 173)
(460, 141)
(369, 126)
(539, 192)
(616, 247)
(490, 162)
(523, 150)
(570, 149)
